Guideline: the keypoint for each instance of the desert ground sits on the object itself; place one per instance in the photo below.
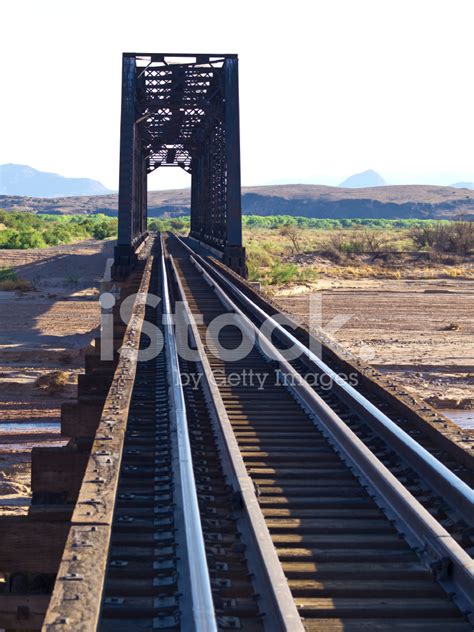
(41, 332)
(420, 333)
(417, 331)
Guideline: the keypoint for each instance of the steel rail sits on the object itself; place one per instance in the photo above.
(453, 567)
(280, 610)
(456, 491)
(202, 601)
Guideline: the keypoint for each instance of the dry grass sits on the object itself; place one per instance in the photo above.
(365, 271)
(276, 242)
(18, 285)
(452, 327)
(53, 382)
(9, 282)
(354, 253)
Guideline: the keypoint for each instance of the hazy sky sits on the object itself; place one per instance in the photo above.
(327, 87)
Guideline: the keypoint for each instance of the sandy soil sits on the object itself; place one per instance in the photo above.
(40, 332)
(420, 333)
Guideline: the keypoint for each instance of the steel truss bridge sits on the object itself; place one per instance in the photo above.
(298, 502)
(181, 111)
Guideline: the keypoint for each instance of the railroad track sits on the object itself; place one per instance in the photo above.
(175, 561)
(436, 477)
(246, 500)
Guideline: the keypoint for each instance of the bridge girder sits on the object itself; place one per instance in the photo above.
(181, 111)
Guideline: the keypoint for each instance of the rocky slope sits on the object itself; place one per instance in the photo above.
(391, 202)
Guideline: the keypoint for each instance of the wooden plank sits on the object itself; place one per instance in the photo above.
(360, 588)
(386, 625)
(77, 591)
(77, 595)
(95, 383)
(382, 607)
(57, 471)
(80, 420)
(51, 513)
(31, 546)
(22, 612)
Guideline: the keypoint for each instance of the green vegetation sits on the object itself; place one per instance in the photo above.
(283, 249)
(21, 230)
(175, 224)
(7, 274)
(273, 222)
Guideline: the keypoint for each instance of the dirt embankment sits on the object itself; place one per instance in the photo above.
(419, 332)
(43, 332)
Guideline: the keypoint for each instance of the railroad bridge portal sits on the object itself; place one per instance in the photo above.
(181, 111)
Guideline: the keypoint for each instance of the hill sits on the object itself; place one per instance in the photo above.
(24, 180)
(363, 180)
(390, 202)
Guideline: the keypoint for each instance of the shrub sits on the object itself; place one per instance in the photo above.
(307, 274)
(103, 230)
(357, 241)
(7, 274)
(18, 285)
(26, 230)
(454, 237)
(53, 382)
(9, 282)
(260, 257)
(282, 273)
(293, 233)
(253, 271)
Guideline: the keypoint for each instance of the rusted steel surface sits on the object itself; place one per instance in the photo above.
(76, 599)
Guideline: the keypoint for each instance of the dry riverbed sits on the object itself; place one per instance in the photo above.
(43, 332)
(418, 332)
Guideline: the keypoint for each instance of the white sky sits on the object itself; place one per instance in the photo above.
(327, 87)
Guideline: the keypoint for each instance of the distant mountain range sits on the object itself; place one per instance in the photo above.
(363, 180)
(24, 180)
(371, 178)
(390, 202)
(463, 185)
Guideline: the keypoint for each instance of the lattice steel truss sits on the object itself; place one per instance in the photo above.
(181, 111)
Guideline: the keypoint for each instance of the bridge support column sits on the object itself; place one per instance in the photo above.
(234, 253)
(132, 203)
